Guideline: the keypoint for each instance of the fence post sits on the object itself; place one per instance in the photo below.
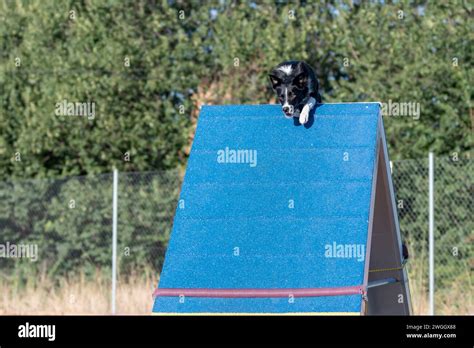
(114, 239)
(431, 232)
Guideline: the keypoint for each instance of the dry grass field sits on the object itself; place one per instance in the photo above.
(457, 299)
(79, 296)
(82, 296)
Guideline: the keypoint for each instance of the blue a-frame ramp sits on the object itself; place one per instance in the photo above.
(279, 218)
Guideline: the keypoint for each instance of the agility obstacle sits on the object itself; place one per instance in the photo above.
(275, 217)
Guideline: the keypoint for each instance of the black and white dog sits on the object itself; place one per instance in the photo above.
(297, 88)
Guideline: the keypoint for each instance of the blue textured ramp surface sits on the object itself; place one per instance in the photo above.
(279, 217)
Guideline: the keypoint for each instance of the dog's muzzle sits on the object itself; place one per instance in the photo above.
(288, 110)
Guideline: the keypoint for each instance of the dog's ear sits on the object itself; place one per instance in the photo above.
(301, 81)
(274, 80)
(300, 65)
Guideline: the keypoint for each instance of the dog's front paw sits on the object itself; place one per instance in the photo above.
(304, 116)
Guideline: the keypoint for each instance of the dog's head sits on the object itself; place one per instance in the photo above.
(290, 82)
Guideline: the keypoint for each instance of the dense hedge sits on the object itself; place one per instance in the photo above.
(184, 53)
(148, 65)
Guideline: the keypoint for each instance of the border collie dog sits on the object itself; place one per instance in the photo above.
(296, 86)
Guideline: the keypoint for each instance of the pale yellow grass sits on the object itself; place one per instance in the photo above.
(91, 296)
(455, 299)
(79, 296)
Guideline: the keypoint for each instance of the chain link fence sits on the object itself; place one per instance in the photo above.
(453, 233)
(55, 236)
(146, 205)
(56, 242)
(57, 239)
